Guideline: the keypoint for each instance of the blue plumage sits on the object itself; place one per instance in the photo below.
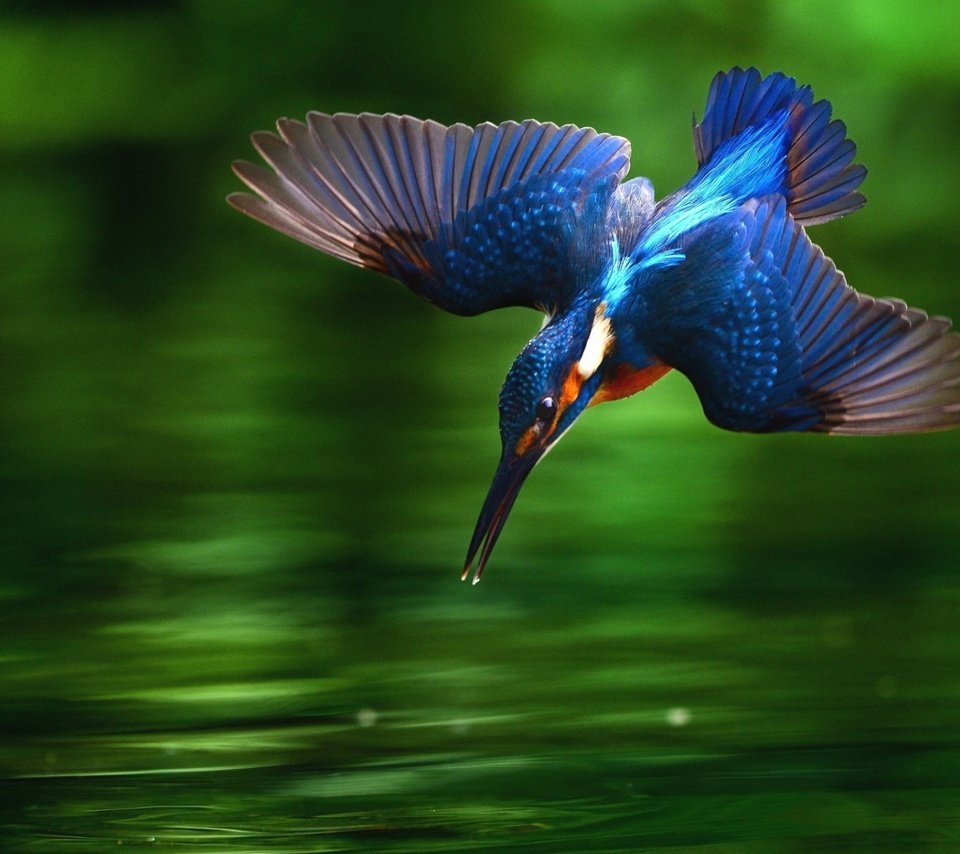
(718, 279)
(723, 318)
(496, 251)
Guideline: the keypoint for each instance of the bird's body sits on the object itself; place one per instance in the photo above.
(718, 280)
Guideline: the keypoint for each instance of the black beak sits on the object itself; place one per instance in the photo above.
(510, 475)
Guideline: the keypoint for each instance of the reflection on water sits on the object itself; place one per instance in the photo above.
(223, 706)
(239, 481)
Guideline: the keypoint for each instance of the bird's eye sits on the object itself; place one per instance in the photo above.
(546, 409)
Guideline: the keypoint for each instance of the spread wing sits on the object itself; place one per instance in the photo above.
(468, 218)
(773, 338)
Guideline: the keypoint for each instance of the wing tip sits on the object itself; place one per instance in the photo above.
(239, 200)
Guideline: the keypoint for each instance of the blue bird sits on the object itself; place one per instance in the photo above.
(718, 280)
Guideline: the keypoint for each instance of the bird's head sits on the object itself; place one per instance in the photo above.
(549, 384)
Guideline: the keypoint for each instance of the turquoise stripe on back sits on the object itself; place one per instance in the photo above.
(748, 166)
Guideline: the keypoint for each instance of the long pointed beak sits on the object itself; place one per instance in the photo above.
(510, 475)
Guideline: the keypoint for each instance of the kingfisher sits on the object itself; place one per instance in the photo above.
(718, 280)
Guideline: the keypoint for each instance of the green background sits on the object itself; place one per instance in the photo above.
(239, 478)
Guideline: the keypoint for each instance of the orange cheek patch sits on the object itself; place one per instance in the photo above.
(527, 440)
(570, 390)
(627, 381)
(568, 393)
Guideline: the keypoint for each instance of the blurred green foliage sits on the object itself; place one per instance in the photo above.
(239, 477)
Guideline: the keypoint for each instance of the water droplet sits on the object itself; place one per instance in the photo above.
(366, 717)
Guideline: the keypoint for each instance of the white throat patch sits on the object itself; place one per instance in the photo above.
(598, 344)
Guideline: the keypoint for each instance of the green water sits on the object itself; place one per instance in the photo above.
(239, 479)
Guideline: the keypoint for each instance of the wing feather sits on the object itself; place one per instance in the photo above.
(773, 338)
(408, 198)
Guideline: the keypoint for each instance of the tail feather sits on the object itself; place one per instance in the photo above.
(821, 179)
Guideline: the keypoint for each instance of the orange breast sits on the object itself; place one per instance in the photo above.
(627, 380)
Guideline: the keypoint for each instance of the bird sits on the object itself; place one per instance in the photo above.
(718, 280)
